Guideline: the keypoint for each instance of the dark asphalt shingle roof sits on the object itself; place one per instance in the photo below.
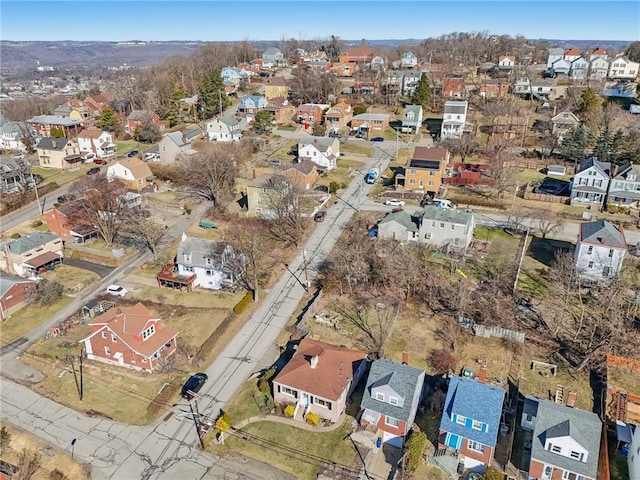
(47, 143)
(602, 232)
(402, 218)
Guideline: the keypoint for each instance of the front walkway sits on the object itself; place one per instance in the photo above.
(294, 423)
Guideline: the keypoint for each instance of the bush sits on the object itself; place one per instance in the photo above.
(56, 474)
(492, 473)
(443, 360)
(16, 236)
(313, 419)
(5, 436)
(289, 410)
(223, 423)
(334, 187)
(242, 304)
(36, 224)
(415, 447)
(264, 384)
(45, 292)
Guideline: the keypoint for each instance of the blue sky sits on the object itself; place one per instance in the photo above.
(307, 19)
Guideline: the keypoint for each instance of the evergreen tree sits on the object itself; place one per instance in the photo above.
(173, 112)
(211, 94)
(589, 101)
(422, 94)
(263, 121)
(574, 144)
(603, 150)
(108, 120)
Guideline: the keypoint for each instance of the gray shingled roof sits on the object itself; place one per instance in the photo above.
(459, 217)
(54, 120)
(229, 121)
(602, 232)
(626, 169)
(455, 107)
(402, 379)
(321, 143)
(604, 167)
(28, 242)
(402, 218)
(139, 115)
(554, 420)
(200, 249)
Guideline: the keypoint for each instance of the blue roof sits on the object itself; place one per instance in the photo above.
(473, 400)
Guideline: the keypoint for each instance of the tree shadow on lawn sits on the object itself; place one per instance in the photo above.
(544, 250)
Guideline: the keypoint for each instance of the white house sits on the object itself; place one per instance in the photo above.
(320, 150)
(600, 250)
(224, 129)
(506, 62)
(624, 188)
(411, 118)
(173, 146)
(599, 68)
(410, 79)
(561, 66)
(13, 133)
(579, 69)
(633, 455)
(571, 54)
(273, 57)
(215, 264)
(409, 60)
(454, 119)
(553, 55)
(591, 182)
(377, 62)
(98, 142)
(623, 68)
(233, 75)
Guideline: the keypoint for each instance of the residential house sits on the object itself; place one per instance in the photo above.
(174, 146)
(454, 119)
(257, 196)
(319, 378)
(17, 137)
(493, 88)
(132, 337)
(378, 63)
(370, 122)
(273, 57)
(250, 68)
(309, 114)
(215, 264)
(449, 229)
(14, 294)
(44, 123)
(453, 86)
(600, 250)
(597, 52)
(98, 142)
(338, 116)
(318, 65)
(251, 104)
(15, 175)
(579, 69)
(598, 68)
(522, 85)
(360, 55)
(412, 118)
(426, 169)
(590, 183)
(393, 83)
(346, 69)
(633, 450)
(276, 87)
(391, 398)
(400, 226)
(58, 153)
(554, 54)
(506, 62)
(408, 61)
(134, 172)
(322, 151)
(525, 87)
(572, 54)
(298, 57)
(78, 108)
(233, 76)
(96, 103)
(563, 122)
(194, 132)
(30, 254)
(565, 442)
(69, 112)
(622, 68)
(62, 220)
(561, 67)
(138, 117)
(224, 129)
(624, 188)
(303, 174)
(471, 421)
(410, 80)
(281, 110)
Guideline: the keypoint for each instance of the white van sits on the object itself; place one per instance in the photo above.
(88, 157)
(441, 203)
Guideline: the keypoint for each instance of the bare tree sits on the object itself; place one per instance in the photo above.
(309, 87)
(372, 318)
(28, 464)
(546, 221)
(287, 210)
(147, 131)
(502, 168)
(144, 230)
(463, 146)
(44, 292)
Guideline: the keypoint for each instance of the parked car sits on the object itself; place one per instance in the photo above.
(19, 156)
(442, 203)
(394, 202)
(132, 153)
(360, 135)
(322, 188)
(66, 198)
(88, 157)
(377, 139)
(93, 170)
(193, 385)
(319, 216)
(150, 156)
(100, 161)
(117, 290)
(275, 163)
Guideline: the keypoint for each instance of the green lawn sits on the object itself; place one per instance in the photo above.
(125, 146)
(28, 318)
(341, 172)
(61, 177)
(356, 148)
(282, 153)
(245, 403)
(289, 127)
(487, 234)
(293, 450)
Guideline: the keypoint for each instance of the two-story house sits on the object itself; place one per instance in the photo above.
(360, 55)
(454, 119)
(590, 183)
(378, 62)
(338, 116)
(410, 80)
(44, 123)
(571, 54)
(471, 421)
(96, 103)
(561, 67)
(450, 229)
(563, 122)
(622, 68)
(273, 57)
(322, 151)
(579, 69)
(453, 86)
(224, 129)
(598, 68)
(134, 172)
(506, 62)
(391, 398)
(63, 220)
(132, 337)
(30, 254)
(276, 87)
(233, 76)
(14, 293)
(59, 153)
(370, 122)
(251, 104)
(624, 187)
(138, 117)
(411, 118)
(213, 263)
(309, 114)
(280, 109)
(174, 146)
(98, 142)
(565, 443)
(319, 378)
(493, 88)
(553, 54)
(303, 174)
(426, 169)
(409, 61)
(600, 250)
(15, 175)
(17, 136)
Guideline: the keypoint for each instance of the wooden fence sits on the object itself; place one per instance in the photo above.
(623, 362)
(493, 331)
(541, 197)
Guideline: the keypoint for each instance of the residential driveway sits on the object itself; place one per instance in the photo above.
(101, 270)
(384, 463)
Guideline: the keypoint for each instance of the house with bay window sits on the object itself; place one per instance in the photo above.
(319, 378)
(471, 421)
(565, 443)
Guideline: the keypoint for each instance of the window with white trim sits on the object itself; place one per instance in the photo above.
(475, 446)
(107, 351)
(380, 396)
(114, 338)
(393, 400)
(590, 250)
(148, 332)
(460, 420)
(289, 391)
(392, 422)
(323, 403)
(104, 334)
(476, 425)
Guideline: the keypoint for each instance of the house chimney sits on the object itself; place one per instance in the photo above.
(184, 236)
(314, 361)
(405, 358)
(254, 173)
(482, 375)
(54, 143)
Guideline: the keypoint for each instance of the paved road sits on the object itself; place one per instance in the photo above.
(167, 449)
(101, 270)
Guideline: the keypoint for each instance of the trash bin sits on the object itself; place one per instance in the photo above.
(379, 442)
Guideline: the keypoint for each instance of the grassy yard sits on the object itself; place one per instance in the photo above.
(342, 173)
(61, 177)
(290, 127)
(431, 472)
(27, 227)
(356, 148)
(294, 447)
(72, 279)
(125, 146)
(28, 318)
(282, 152)
(246, 401)
(624, 379)
(488, 234)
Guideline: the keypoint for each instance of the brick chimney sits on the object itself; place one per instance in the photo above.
(482, 375)
(405, 358)
(54, 143)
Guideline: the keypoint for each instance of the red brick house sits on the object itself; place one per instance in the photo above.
(136, 117)
(281, 110)
(493, 88)
(13, 292)
(96, 103)
(60, 220)
(453, 86)
(132, 337)
(303, 174)
(309, 114)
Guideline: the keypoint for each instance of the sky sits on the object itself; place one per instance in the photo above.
(118, 20)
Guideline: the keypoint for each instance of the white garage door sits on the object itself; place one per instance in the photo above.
(392, 439)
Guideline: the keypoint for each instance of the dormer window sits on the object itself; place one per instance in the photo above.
(393, 400)
(577, 455)
(631, 176)
(148, 332)
(380, 396)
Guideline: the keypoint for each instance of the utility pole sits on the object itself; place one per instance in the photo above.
(304, 264)
(35, 187)
(196, 420)
(81, 376)
(75, 376)
(524, 248)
